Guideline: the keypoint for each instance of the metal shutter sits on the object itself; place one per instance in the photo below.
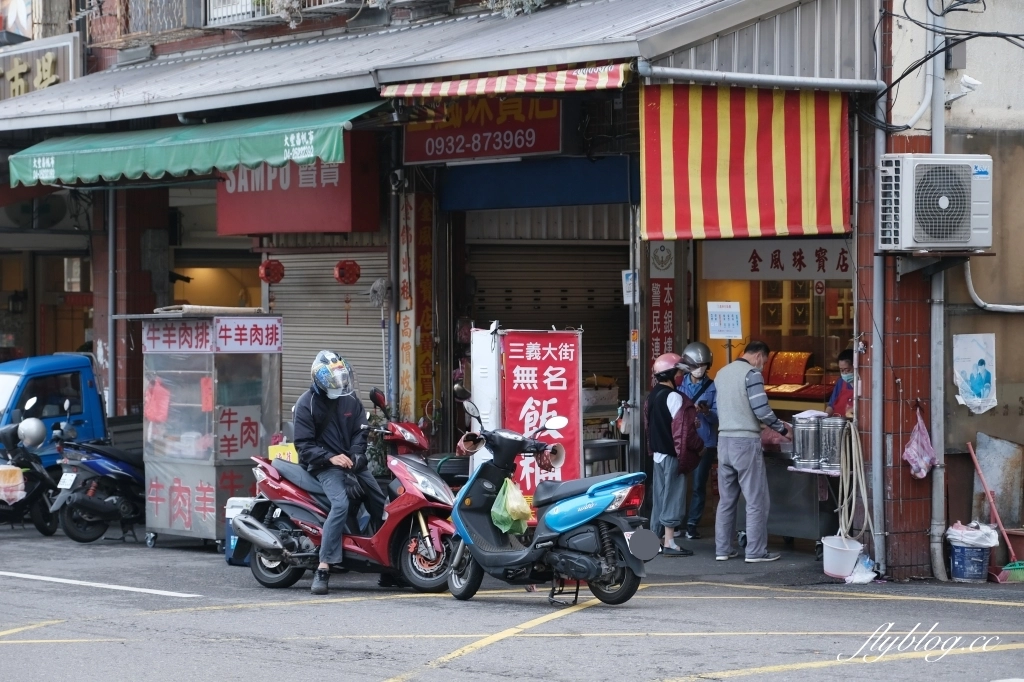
(535, 287)
(312, 304)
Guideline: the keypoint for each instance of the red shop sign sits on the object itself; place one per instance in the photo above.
(487, 127)
(541, 378)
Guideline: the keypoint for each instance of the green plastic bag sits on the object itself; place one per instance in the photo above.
(502, 513)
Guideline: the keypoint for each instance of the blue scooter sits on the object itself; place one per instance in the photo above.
(100, 484)
(587, 530)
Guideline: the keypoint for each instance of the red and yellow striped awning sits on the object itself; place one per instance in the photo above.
(721, 163)
(608, 77)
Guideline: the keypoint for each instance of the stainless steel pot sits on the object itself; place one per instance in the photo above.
(833, 431)
(806, 442)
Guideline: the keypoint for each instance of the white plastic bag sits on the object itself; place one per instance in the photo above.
(974, 535)
(12, 484)
(863, 572)
(919, 453)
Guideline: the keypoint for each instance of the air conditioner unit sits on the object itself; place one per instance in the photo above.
(935, 202)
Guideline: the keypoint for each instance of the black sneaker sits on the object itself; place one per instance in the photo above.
(320, 578)
(676, 551)
(692, 534)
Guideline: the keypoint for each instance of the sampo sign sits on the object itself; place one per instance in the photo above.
(317, 197)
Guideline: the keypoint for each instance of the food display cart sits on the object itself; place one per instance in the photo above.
(212, 400)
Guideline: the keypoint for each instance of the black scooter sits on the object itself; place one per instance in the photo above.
(39, 487)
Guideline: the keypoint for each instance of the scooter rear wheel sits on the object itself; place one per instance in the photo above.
(271, 573)
(45, 522)
(79, 528)
(464, 581)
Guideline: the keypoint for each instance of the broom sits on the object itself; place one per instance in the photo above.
(1013, 571)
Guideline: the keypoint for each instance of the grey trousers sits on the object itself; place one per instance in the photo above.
(668, 499)
(741, 468)
(333, 482)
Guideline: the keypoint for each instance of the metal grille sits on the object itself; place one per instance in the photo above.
(319, 313)
(942, 203)
(890, 176)
(604, 222)
(535, 287)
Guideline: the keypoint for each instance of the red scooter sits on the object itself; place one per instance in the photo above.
(281, 531)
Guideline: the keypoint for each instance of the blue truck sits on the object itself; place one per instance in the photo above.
(52, 380)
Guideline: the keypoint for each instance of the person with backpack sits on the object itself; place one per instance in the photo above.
(330, 437)
(700, 388)
(672, 440)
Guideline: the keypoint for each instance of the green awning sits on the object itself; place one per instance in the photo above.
(275, 140)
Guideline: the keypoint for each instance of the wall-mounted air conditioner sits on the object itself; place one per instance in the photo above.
(935, 202)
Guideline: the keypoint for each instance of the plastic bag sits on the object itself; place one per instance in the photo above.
(12, 484)
(973, 535)
(919, 452)
(156, 402)
(863, 572)
(507, 510)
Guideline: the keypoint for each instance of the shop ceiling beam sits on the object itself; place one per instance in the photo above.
(756, 80)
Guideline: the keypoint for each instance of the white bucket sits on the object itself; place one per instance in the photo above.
(840, 557)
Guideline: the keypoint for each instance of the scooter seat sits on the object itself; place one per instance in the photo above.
(298, 475)
(132, 458)
(549, 492)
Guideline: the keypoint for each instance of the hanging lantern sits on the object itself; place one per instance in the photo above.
(272, 271)
(346, 272)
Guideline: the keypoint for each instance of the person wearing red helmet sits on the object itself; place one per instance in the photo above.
(673, 442)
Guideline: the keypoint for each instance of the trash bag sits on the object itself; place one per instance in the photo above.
(863, 572)
(919, 453)
(973, 535)
(506, 509)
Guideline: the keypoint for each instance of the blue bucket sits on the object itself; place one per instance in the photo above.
(970, 564)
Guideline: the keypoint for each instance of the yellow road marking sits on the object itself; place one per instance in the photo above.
(412, 636)
(30, 627)
(58, 641)
(755, 633)
(492, 639)
(809, 665)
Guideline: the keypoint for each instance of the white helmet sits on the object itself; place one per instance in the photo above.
(332, 375)
(32, 432)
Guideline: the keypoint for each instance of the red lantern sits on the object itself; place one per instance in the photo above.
(272, 271)
(346, 272)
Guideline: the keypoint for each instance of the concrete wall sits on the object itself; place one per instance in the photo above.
(998, 104)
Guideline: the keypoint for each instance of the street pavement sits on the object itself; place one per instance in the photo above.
(187, 615)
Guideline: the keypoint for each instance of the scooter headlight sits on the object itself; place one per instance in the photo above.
(441, 493)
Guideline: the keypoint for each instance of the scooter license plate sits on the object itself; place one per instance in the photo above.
(66, 481)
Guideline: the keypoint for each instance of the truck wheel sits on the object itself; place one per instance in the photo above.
(45, 522)
(79, 528)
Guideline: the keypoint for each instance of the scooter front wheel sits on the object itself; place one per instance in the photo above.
(423, 574)
(464, 580)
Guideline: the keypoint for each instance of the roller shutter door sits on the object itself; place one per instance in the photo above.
(313, 306)
(535, 287)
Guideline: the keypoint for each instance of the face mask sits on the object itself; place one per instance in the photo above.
(847, 377)
(698, 373)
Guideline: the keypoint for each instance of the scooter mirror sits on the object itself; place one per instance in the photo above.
(461, 393)
(30, 403)
(378, 399)
(471, 409)
(494, 327)
(556, 423)
(67, 405)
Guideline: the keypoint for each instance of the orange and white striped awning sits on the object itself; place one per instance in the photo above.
(609, 77)
(720, 162)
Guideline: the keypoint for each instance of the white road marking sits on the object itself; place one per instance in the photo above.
(103, 586)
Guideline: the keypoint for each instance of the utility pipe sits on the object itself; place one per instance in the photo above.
(647, 70)
(111, 303)
(991, 307)
(393, 267)
(938, 322)
(926, 101)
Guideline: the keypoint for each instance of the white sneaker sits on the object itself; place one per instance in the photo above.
(725, 557)
(768, 556)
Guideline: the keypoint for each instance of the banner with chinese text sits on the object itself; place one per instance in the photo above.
(541, 378)
(778, 259)
(661, 324)
(415, 320)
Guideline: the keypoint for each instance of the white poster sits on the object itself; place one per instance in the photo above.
(974, 370)
(724, 320)
(628, 281)
(17, 16)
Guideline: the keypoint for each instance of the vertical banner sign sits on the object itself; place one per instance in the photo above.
(542, 378)
(407, 314)
(424, 276)
(661, 300)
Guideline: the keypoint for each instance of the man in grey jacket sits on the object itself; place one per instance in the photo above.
(742, 408)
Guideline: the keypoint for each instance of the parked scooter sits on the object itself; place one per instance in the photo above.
(100, 484)
(39, 487)
(281, 530)
(587, 529)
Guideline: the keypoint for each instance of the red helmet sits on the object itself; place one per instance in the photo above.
(665, 363)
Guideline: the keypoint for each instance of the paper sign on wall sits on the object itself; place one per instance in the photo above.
(974, 371)
(724, 320)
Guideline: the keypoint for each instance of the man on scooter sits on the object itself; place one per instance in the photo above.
(330, 436)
